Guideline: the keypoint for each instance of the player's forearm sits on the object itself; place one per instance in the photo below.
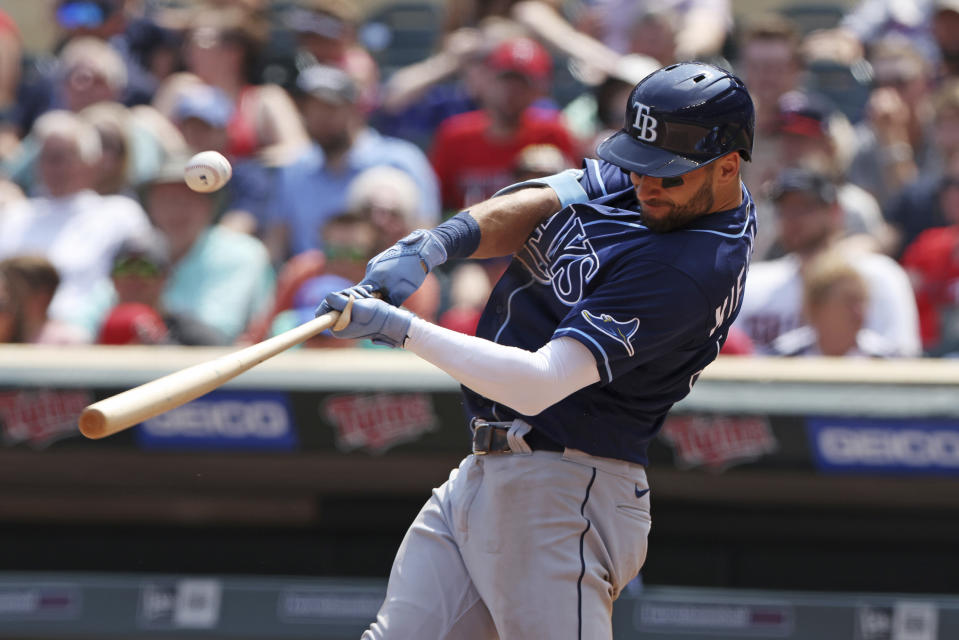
(525, 381)
(497, 227)
(506, 221)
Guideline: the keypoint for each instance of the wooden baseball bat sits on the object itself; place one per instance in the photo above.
(150, 399)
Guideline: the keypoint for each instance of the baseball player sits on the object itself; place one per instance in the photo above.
(626, 277)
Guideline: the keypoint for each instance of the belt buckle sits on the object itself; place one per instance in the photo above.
(482, 436)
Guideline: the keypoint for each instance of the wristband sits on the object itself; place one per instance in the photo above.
(460, 235)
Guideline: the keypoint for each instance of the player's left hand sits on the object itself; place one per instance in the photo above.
(371, 317)
(400, 270)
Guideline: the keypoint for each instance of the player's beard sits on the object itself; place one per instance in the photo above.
(679, 216)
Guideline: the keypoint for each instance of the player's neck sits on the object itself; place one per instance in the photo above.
(728, 197)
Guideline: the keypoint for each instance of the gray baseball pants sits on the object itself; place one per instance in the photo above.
(519, 546)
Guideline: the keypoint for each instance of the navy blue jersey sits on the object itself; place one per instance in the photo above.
(653, 308)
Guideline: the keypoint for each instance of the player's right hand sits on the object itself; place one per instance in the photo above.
(400, 270)
(369, 317)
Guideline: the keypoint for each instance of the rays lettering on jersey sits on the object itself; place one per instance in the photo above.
(559, 253)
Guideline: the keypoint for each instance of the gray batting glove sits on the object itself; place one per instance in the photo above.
(400, 270)
(370, 317)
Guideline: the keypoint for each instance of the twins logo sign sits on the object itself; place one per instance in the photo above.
(559, 253)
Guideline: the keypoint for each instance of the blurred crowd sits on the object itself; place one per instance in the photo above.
(348, 129)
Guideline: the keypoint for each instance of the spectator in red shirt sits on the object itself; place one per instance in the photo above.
(474, 153)
(932, 262)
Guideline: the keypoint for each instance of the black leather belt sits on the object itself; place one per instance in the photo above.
(490, 437)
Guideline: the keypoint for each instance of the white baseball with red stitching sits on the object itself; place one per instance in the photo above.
(207, 172)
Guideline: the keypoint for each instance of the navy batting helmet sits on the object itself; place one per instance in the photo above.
(680, 118)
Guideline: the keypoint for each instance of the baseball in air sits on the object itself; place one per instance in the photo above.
(207, 171)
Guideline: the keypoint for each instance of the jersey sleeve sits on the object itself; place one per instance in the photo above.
(646, 311)
(596, 179)
(600, 178)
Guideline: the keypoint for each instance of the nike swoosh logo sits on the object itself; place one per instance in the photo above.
(640, 492)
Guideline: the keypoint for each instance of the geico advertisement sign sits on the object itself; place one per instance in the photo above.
(923, 446)
(224, 419)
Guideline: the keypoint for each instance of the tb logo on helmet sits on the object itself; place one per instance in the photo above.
(644, 123)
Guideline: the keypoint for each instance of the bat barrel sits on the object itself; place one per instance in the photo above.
(93, 423)
(141, 403)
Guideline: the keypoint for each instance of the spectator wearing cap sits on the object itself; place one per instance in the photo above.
(894, 143)
(219, 276)
(325, 33)
(932, 261)
(918, 206)
(474, 152)
(810, 221)
(835, 298)
(202, 113)
(139, 274)
(314, 188)
(72, 225)
(813, 133)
